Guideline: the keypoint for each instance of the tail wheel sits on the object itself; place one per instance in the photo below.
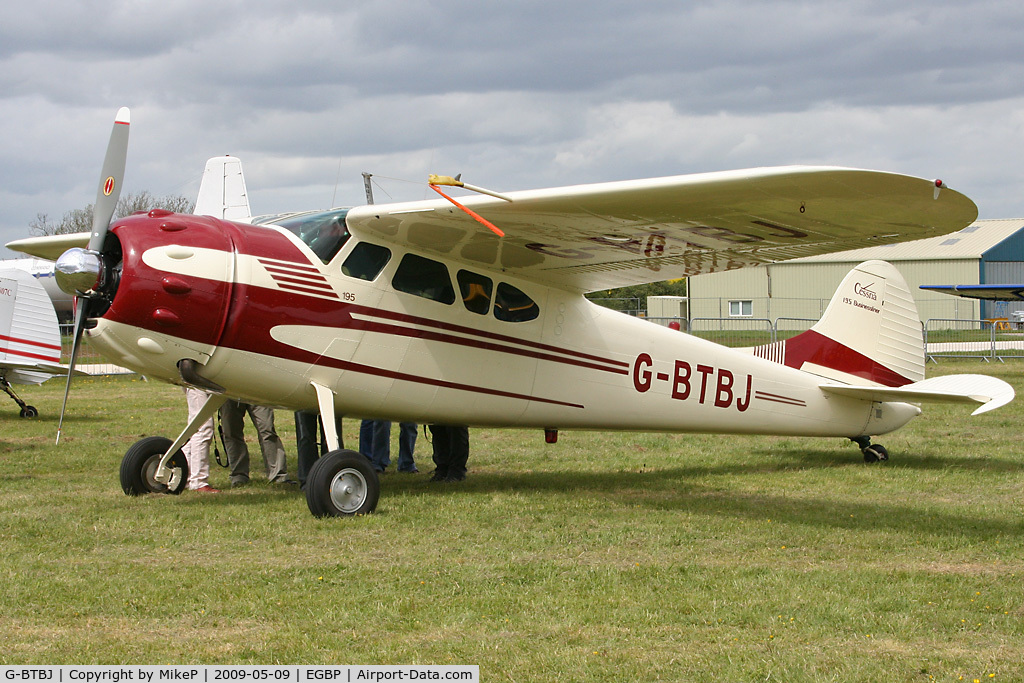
(342, 483)
(138, 467)
(29, 411)
(875, 453)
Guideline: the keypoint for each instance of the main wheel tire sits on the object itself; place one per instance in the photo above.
(875, 453)
(138, 467)
(29, 411)
(342, 483)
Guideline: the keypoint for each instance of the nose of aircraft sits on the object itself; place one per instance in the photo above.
(78, 271)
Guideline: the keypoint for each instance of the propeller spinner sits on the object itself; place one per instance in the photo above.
(80, 271)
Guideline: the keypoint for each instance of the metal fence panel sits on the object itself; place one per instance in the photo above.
(734, 332)
(952, 338)
(88, 361)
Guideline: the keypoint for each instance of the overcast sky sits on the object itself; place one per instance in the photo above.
(514, 95)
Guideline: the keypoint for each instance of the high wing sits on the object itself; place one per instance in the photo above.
(988, 292)
(593, 237)
(49, 247)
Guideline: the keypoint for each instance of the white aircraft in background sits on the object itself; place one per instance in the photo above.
(471, 311)
(29, 335)
(42, 271)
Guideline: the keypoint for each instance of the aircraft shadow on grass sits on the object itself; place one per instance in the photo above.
(683, 489)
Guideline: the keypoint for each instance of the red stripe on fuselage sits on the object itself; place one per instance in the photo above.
(266, 308)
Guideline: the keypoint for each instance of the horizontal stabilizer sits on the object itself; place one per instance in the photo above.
(989, 391)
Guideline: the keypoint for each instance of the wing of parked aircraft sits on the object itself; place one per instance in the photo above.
(592, 237)
(987, 292)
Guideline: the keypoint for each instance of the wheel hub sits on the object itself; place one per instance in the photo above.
(348, 490)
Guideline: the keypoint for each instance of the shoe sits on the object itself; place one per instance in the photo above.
(455, 476)
(438, 476)
(287, 483)
(206, 488)
(239, 484)
(414, 470)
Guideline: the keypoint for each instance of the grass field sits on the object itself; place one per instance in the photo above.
(605, 557)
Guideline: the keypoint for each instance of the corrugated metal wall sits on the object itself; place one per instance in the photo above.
(802, 290)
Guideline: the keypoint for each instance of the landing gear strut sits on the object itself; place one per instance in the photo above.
(26, 409)
(872, 452)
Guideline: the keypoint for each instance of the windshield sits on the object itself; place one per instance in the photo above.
(324, 232)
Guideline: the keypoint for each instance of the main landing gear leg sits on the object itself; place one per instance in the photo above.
(156, 465)
(341, 483)
(26, 409)
(872, 452)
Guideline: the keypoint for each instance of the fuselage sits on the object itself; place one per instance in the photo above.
(409, 335)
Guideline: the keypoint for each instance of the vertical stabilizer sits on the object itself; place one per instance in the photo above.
(869, 332)
(222, 192)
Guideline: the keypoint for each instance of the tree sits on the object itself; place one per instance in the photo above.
(80, 220)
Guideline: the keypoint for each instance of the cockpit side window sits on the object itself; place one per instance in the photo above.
(476, 291)
(512, 305)
(325, 232)
(365, 261)
(424, 277)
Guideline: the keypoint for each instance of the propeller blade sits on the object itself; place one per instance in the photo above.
(111, 177)
(80, 305)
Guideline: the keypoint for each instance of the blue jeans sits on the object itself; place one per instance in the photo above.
(375, 444)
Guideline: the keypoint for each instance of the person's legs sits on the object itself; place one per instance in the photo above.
(231, 414)
(274, 457)
(406, 447)
(441, 451)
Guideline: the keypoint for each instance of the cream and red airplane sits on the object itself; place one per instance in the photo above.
(471, 311)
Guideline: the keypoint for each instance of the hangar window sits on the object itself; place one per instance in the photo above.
(741, 309)
(476, 291)
(324, 232)
(512, 305)
(424, 277)
(365, 261)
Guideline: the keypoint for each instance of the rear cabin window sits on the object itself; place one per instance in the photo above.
(475, 291)
(424, 277)
(512, 305)
(325, 232)
(365, 261)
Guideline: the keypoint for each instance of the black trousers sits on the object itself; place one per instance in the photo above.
(307, 427)
(451, 448)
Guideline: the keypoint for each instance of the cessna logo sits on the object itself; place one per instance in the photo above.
(865, 291)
